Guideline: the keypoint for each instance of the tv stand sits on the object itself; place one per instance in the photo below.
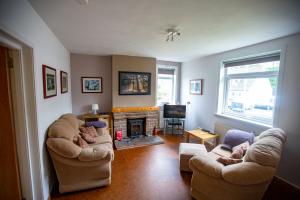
(174, 122)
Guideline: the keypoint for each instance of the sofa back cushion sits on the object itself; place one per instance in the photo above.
(267, 150)
(63, 128)
(72, 119)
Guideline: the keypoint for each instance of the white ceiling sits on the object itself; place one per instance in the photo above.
(137, 27)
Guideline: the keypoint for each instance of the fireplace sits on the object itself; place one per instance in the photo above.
(136, 127)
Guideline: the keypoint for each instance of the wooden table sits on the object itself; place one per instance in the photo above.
(203, 136)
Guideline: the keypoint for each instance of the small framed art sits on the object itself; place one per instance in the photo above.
(196, 86)
(49, 82)
(91, 84)
(63, 82)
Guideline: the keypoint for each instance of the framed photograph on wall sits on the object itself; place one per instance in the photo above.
(49, 82)
(134, 83)
(63, 82)
(196, 86)
(91, 84)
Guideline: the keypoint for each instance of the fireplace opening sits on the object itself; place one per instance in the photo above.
(136, 127)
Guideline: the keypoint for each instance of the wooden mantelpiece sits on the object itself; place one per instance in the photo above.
(134, 109)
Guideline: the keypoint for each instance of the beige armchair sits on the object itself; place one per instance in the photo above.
(247, 180)
(79, 168)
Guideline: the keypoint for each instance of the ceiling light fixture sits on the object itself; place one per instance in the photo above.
(171, 33)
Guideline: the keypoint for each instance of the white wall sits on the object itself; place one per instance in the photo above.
(19, 19)
(202, 108)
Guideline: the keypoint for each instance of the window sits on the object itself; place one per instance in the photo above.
(249, 88)
(166, 84)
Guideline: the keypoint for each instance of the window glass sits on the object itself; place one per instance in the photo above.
(250, 90)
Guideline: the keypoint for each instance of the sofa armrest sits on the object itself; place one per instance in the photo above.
(247, 173)
(63, 147)
(96, 153)
(206, 165)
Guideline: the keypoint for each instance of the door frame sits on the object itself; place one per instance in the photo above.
(25, 116)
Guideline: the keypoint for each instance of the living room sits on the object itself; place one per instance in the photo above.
(184, 53)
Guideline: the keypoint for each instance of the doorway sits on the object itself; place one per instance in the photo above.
(9, 173)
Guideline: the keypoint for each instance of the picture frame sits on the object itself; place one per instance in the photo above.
(196, 86)
(134, 83)
(91, 85)
(49, 81)
(63, 82)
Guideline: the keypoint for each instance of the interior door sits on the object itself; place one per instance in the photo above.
(9, 174)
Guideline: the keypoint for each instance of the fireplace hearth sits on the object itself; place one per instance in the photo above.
(136, 127)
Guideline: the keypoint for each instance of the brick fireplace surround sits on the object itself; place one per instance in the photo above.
(121, 114)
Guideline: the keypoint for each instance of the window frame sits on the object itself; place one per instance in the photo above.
(225, 78)
(174, 82)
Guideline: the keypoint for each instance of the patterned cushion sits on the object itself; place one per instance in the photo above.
(88, 138)
(91, 131)
(228, 161)
(80, 142)
(239, 151)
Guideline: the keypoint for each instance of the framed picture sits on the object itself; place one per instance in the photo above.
(91, 84)
(196, 86)
(49, 81)
(134, 83)
(63, 82)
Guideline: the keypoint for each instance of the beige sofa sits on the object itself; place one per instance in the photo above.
(247, 180)
(79, 168)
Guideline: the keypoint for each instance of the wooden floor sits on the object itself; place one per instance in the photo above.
(145, 173)
(152, 173)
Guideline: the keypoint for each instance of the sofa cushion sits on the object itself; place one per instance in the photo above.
(96, 124)
(80, 142)
(63, 147)
(88, 138)
(239, 151)
(266, 151)
(221, 152)
(235, 137)
(62, 128)
(104, 138)
(228, 161)
(91, 131)
(97, 152)
(72, 119)
(274, 132)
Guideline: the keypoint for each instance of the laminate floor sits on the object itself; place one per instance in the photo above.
(144, 173)
(152, 173)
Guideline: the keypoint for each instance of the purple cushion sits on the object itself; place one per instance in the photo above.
(236, 137)
(96, 124)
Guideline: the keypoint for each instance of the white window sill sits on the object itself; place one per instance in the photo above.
(243, 120)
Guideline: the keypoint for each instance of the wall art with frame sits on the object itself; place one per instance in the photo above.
(134, 83)
(91, 84)
(196, 86)
(49, 82)
(63, 82)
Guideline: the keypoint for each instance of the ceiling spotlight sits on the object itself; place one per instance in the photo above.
(171, 33)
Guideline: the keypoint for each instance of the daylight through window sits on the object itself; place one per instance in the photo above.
(250, 87)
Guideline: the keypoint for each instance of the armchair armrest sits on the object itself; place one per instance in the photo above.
(63, 147)
(247, 173)
(206, 165)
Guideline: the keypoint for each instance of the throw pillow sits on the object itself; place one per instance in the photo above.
(89, 131)
(228, 161)
(80, 142)
(88, 138)
(236, 137)
(96, 124)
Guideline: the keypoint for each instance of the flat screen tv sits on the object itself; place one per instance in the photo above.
(174, 111)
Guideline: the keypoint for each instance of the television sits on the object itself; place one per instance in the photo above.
(174, 111)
